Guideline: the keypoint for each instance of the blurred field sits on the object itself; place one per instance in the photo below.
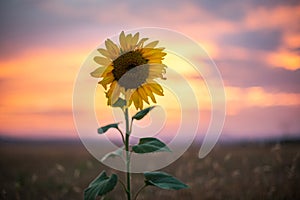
(62, 171)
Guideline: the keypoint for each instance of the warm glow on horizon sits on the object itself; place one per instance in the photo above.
(241, 98)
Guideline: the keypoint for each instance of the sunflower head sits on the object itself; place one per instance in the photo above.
(128, 70)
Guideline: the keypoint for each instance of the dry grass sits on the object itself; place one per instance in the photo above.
(62, 171)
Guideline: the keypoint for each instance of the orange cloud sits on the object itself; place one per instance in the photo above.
(292, 40)
(241, 98)
(284, 59)
(287, 56)
(277, 17)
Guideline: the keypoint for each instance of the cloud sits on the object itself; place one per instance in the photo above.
(255, 73)
(268, 40)
(276, 16)
(239, 99)
(288, 59)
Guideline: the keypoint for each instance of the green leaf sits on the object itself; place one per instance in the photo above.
(116, 153)
(100, 186)
(139, 115)
(163, 181)
(119, 103)
(149, 145)
(103, 129)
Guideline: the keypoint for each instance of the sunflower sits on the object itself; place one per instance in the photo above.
(129, 70)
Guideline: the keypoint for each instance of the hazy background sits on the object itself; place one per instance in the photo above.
(255, 44)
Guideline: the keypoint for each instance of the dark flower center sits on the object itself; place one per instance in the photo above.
(130, 70)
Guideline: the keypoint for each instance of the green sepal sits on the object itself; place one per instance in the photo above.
(103, 129)
(139, 115)
(150, 145)
(100, 186)
(163, 181)
(120, 103)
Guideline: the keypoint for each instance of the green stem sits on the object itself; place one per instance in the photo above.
(131, 126)
(127, 154)
(138, 192)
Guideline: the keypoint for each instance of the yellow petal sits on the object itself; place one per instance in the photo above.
(106, 80)
(151, 52)
(115, 94)
(149, 93)
(129, 103)
(108, 69)
(157, 92)
(110, 45)
(102, 61)
(135, 39)
(122, 40)
(143, 94)
(128, 42)
(151, 44)
(156, 61)
(156, 72)
(155, 67)
(135, 98)
(128, 98)
(141, 104)
(112, 48)
(153, 75)
(97, 73)
(128, 94)
(160, 48)
(141, 42)
(102, 71)
(147, 52)
(111, 89)
(138, 103)
(122, 90)
(109, 93)
(156, 88)
(128, 38)
(104, 52)
(159, 55)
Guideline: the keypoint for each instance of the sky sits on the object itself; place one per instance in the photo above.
(255, 45)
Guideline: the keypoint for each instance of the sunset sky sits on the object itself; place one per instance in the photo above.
(255, 44)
